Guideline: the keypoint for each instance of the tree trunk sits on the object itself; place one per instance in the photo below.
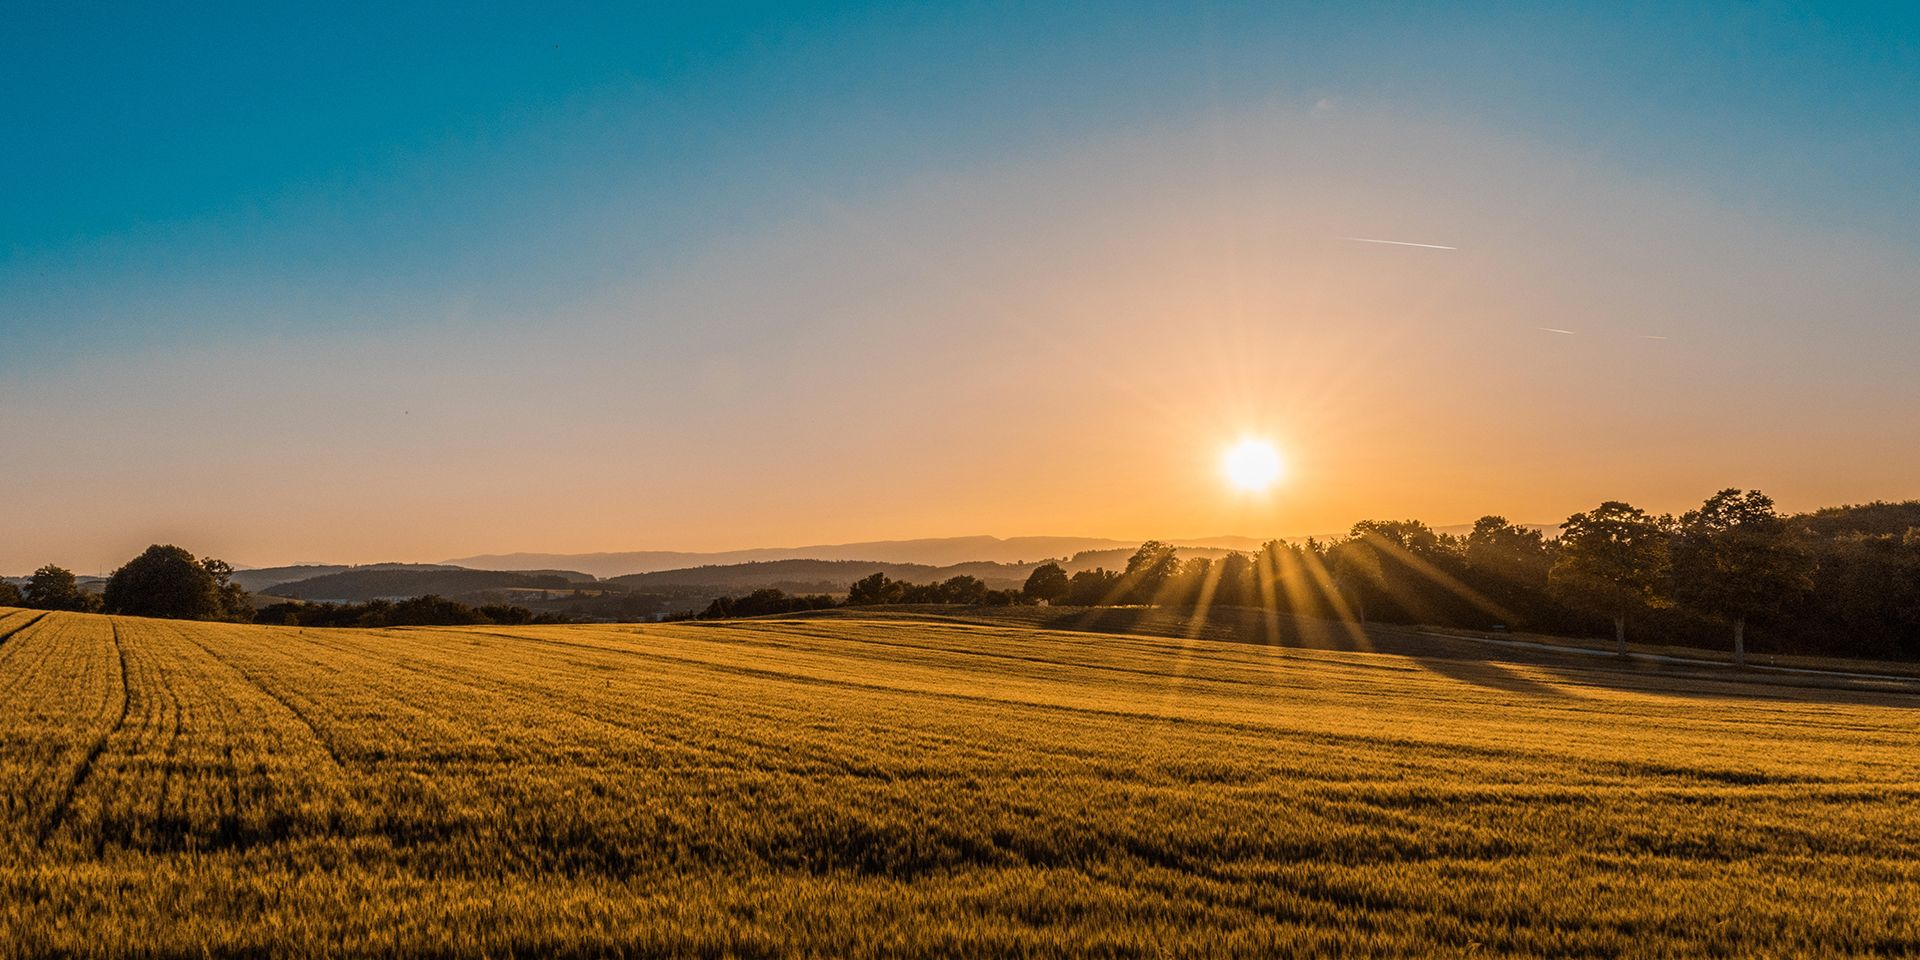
(1740, 642)
(1620, 635)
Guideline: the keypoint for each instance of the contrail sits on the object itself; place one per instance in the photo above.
(1569, 333)
(1402, 243)
(1648, 336)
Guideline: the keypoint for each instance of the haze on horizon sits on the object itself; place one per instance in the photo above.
(377, 285)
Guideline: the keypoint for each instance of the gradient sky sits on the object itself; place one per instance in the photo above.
(360, 285)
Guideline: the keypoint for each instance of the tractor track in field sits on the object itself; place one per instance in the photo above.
(544, 696)
(325, 742)
(30, 621)
(58, 814)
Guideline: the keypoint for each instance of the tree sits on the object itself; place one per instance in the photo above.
(1092, 588)
(963, 589)
(1508, 551)
(165, 581)
(877, 588)
(1734, 558)
(54, 588)
(1357, 570)
(1509, 563)
(1048, 582)
(1411, 536)
(1613, 558)
(235, 603)
(10, 595)
(1234, 582)
(1149, 569)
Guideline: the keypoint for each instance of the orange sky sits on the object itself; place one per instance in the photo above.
(1056, 344)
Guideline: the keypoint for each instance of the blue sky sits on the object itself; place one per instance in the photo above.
(268, 184)
(164, 164)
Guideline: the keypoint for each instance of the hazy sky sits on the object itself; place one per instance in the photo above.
(361, 285)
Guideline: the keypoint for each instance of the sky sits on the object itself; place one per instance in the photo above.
(364, 284)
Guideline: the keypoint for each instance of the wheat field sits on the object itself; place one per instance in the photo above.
(916, 787)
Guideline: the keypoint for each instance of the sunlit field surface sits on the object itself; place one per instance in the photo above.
(891, 786)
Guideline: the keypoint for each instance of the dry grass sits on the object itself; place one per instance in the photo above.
(891, 787)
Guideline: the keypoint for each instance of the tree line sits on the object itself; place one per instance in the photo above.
(1733, 571)
(1842, 580)
(168, 582)
(163, 581)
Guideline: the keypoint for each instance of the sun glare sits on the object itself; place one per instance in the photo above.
(1252, 465)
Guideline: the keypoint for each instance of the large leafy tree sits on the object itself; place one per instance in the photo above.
(1095, 587)
(55, 588)
(1613, 559)
(167, 581)
(1047, 582)
(1149, 569)
(877, 588)
(1508, 551)
(10, 595)
(1735, 558)
(1411, 536)
(1235, 583)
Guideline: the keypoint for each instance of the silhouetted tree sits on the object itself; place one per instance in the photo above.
(1149, 569)
(1089, 588)
(1358, 571)
(765, 601)
(1509, 551)
(1234, 584)
(1189, 580)
(419, 611)
(1289, 577)
(1613, 558)
(55, 588)
(164, 581)
(1047, 582)
(1734, 558)
(1510, 564)
(1865, 599)
(1412, 536)
(10, 595)
(875, 589)
(963, 589)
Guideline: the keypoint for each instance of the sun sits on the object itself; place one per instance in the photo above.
(1252, 465)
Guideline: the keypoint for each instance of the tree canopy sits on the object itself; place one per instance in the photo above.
(167, 581)
(1734, 558)
(55, 588)
(1613, 559)
(1047, 582)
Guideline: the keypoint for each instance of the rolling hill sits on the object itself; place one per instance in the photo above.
(934, 552)
(259, 579)
(359, 585)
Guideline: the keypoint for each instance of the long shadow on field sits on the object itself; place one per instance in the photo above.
(1492, 675)
(1475, 661)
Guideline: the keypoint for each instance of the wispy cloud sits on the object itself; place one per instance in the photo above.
(1568, 333)
(1402, 243)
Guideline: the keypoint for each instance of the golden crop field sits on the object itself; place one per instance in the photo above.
(898, 787)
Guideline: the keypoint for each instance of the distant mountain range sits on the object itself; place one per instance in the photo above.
(933, 552)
